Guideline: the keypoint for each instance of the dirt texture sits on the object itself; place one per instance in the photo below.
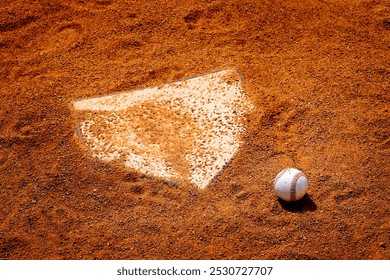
(317, 72)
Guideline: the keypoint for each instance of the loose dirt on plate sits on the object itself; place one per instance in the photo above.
(184, 132)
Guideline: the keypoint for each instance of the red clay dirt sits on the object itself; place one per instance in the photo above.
(317, 71)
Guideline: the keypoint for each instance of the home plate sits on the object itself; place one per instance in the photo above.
(185, 131)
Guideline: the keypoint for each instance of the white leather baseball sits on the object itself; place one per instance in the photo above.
(290, 184)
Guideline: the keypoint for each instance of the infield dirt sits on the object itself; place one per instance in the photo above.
(317, 72)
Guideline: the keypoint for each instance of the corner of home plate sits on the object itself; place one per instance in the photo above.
(181, 131)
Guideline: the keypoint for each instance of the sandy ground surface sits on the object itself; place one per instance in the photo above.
(316, 70)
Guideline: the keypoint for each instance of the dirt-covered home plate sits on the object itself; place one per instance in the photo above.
(185, 131)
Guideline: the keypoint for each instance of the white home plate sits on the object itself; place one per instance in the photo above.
(182, 131)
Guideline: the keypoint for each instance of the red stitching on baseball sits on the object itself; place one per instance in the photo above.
(280, 175)
(293, 186)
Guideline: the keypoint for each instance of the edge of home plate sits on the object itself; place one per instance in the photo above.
(186, 130)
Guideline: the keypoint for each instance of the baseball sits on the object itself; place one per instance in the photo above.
(290, 184)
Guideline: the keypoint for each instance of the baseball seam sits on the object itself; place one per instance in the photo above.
(280, 175)
(293, 186)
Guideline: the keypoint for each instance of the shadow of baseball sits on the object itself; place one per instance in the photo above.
(305, 204)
